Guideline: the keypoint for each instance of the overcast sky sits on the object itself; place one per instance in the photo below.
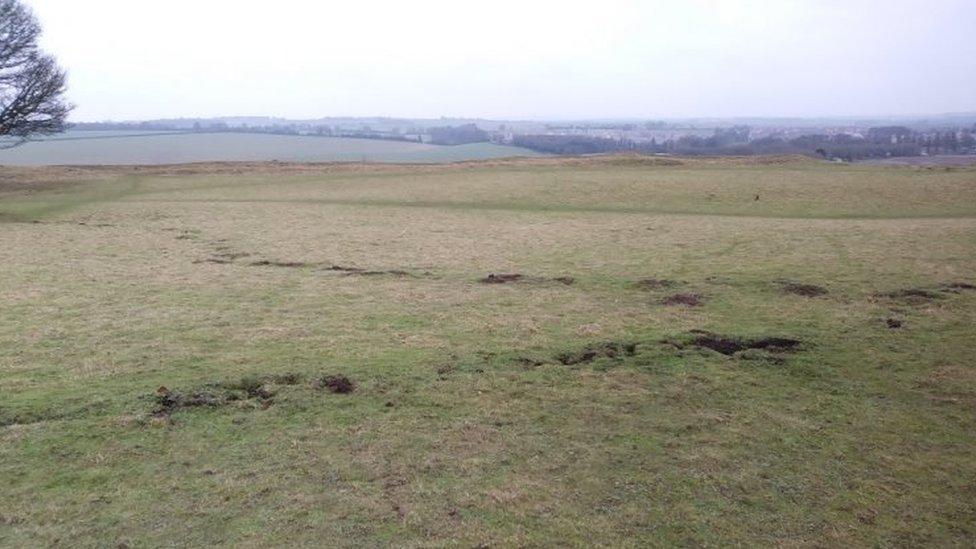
(528, 59)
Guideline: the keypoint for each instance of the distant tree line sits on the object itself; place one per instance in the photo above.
(457, 135)
(877, 142)
(571, 144)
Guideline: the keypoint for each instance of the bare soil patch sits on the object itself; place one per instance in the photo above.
(799, 288)
(894, 323)
(356, 271)
(956, 286)
(517, 277)
(501, 278)
(284, 264)
(231, 257)
(393, 272)
(339, 384)
(730, 345)
(250, 389)
(918, 296)
(688, 300)
(912, 295)
(343, 269)
(168, 402)
(610, 349)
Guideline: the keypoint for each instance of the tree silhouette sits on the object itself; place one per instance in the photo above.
(32, 84)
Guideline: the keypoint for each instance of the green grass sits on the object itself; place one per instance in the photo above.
(177, 147)
(464, 428)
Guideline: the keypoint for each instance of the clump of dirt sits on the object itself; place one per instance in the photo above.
(610, 349)
(335, 384)
(894, 323)
(501, 278)
(528, 362)
(567, 280)
(285, 264)
(168, 402)
(654, 283)
(799, 288)
(729, 346)
(251, 389)
(688, 300)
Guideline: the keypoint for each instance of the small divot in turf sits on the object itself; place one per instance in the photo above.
(610, 349)
(688, 300)
(285, 264)
(801, 289)
(251, 389)
(339, 384)
(501, 278)
(911, 294)
(394, 272)
(517, 277)
(728, 345)
(956, 286)
(168, 402)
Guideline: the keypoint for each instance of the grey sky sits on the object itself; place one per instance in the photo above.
(136, 59)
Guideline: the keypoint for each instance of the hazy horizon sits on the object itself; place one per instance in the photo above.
(623, 119)
(514, 61)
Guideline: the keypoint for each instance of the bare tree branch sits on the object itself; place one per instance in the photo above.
(32, 85)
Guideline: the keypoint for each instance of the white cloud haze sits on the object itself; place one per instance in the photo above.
(136, 59)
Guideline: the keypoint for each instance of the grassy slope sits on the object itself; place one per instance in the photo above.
(168, 148)
(864, 438)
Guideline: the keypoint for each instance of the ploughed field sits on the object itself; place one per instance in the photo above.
(614, 350)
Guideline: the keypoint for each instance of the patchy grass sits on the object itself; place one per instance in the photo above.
(186, 353)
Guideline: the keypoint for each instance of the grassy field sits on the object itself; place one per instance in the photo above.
(94, 148)
(175, 344)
